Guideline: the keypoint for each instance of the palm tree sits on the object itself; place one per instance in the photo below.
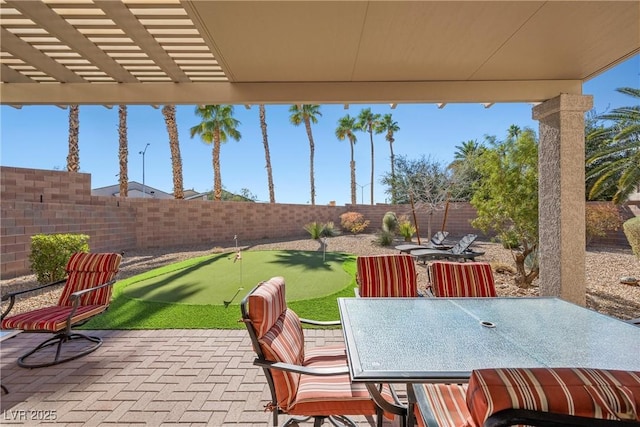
(388, 125)
(123, 151)
(514, 131)
(216, 127)
(267, 156)
(467, 150)
(346, 129)
(73, 158)
(619, 154)
(307, 114)
(169, 113)
(367, 122)
(465, 168)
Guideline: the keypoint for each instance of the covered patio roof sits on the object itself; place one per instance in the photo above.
(246, 52)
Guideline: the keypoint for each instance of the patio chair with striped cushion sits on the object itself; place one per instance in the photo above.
(532, 396)
(86, 293)
(461, 279)
(386, 276)
(304, 383)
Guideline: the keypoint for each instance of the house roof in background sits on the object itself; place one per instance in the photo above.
(245, 52)
(135, 189)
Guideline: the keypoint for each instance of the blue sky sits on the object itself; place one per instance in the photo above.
(37, 137)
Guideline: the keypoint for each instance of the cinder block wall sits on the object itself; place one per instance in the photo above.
(39, 201)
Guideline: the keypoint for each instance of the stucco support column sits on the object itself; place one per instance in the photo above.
(561, 196)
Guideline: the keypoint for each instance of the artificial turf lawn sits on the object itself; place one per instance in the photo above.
(305, 273)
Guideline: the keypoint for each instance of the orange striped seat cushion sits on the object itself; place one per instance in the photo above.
(266, 305)
(50, 319)
(462, 279)
(87, 270)
(447, 404)
(330, 395)
(592, 393)
(279, 334)
(281, 339)
(387, 276)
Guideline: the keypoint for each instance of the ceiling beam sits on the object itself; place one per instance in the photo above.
(126, 20)
(13, 76)
(56, 26)
(287, 93)
(29, 54)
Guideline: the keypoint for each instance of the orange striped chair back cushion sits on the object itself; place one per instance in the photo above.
(87, 270)
(279, 334)
(387, 276)
(593, 393)
(462, 279)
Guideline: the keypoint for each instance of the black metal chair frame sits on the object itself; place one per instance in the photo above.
(268, 365)
(63, 336)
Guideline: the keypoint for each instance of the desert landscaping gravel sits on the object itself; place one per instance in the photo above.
(604, 269)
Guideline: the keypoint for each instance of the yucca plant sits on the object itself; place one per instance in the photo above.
(405, 228)
(384, 238)
(318, 230)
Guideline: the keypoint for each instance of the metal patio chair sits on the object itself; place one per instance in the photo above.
(86, 293)
(436, 242)
(461, 279)
(392, 275)
(460, 251)
(549, 397)
(304, 383)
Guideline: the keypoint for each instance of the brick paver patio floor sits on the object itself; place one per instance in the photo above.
(152, 378)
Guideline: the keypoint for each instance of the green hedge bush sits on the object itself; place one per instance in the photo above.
(631, 229)
(51, 252)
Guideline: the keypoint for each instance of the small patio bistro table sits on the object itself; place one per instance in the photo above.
(420, 340)
(4, 335)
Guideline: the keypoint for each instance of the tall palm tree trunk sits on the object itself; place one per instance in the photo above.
(217, 178)
(123, 151)
(393, 173)
(353, 176)
(73, 158)
(372, 173)
(169, 113)
(267, 156)
(307, 124)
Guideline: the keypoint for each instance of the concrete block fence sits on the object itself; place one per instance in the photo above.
(41, 201)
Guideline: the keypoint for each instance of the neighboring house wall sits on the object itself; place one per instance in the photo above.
(134, 189)
(39, 201)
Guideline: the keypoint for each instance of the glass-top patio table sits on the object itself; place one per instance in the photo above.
(408, 340)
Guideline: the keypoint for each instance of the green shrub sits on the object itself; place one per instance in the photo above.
(509, 239)
(405, 228)
(315, 229)
(601, 218)
(318, 230)
(51, 252)
(631, 229)
(390, 222)
(353, 222)
(329, 230)
(384, 238)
